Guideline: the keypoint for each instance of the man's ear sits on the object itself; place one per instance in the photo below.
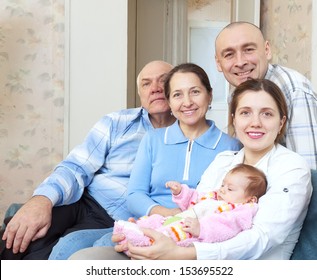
(268, 52)
(218, 64)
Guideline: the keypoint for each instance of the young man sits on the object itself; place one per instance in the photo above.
(88, 188)
(243, 53)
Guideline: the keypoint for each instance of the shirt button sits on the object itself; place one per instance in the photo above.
(285, 190)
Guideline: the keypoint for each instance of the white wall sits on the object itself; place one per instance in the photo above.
(96, 63)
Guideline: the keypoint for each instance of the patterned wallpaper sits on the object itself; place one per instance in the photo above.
(32, 81)
(287, 25)
(31, 95)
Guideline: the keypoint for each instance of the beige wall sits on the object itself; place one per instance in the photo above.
(288, 27)
(32, 79)
(31, 95)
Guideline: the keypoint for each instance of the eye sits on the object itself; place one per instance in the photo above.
(267, 114)
(195, 92)
(176, 95)
(249, 50)
(228, 55)
(245, 113)
(146, 84)
(162, 80)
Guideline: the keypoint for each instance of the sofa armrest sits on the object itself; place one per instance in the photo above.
(306, 247)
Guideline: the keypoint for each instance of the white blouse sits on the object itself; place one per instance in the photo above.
(282, 210)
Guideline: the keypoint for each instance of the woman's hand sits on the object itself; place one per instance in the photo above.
(163, 211)
(116, 238)
(119, 237)
(163, 248)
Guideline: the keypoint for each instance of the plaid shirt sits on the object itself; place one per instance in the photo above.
(301, 134)
(102, 163)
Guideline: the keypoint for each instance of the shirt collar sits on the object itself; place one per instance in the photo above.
(269, 72)
(209, 140)
(145, 116)
(262, 164)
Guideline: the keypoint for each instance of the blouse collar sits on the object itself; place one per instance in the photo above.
(209, 139)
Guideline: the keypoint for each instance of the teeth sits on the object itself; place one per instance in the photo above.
(244, 73)
(255, 134)
(188, 112)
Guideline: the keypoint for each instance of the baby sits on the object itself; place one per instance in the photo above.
(207, 217)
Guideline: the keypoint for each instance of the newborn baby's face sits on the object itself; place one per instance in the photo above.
(233, 188)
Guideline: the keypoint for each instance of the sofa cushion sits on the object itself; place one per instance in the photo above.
(306, 248)
(13, 208)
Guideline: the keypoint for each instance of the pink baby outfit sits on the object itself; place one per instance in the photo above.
(218, 220)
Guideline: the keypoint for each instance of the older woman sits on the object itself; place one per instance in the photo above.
(183, 150)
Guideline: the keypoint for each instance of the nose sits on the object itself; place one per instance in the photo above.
(240, 59)
(156, 87)
(256, 121)
(187, 100)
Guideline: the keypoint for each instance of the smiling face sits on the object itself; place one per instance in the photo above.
(257, 122)
(151, 87)
(242, 53)
(188, 99)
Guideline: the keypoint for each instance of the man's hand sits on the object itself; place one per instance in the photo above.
(31, 222)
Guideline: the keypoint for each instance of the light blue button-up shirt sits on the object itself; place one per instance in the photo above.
(102, 163)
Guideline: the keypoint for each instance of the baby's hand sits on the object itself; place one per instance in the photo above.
(174, 186)
(132, 220)
(192, 226)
